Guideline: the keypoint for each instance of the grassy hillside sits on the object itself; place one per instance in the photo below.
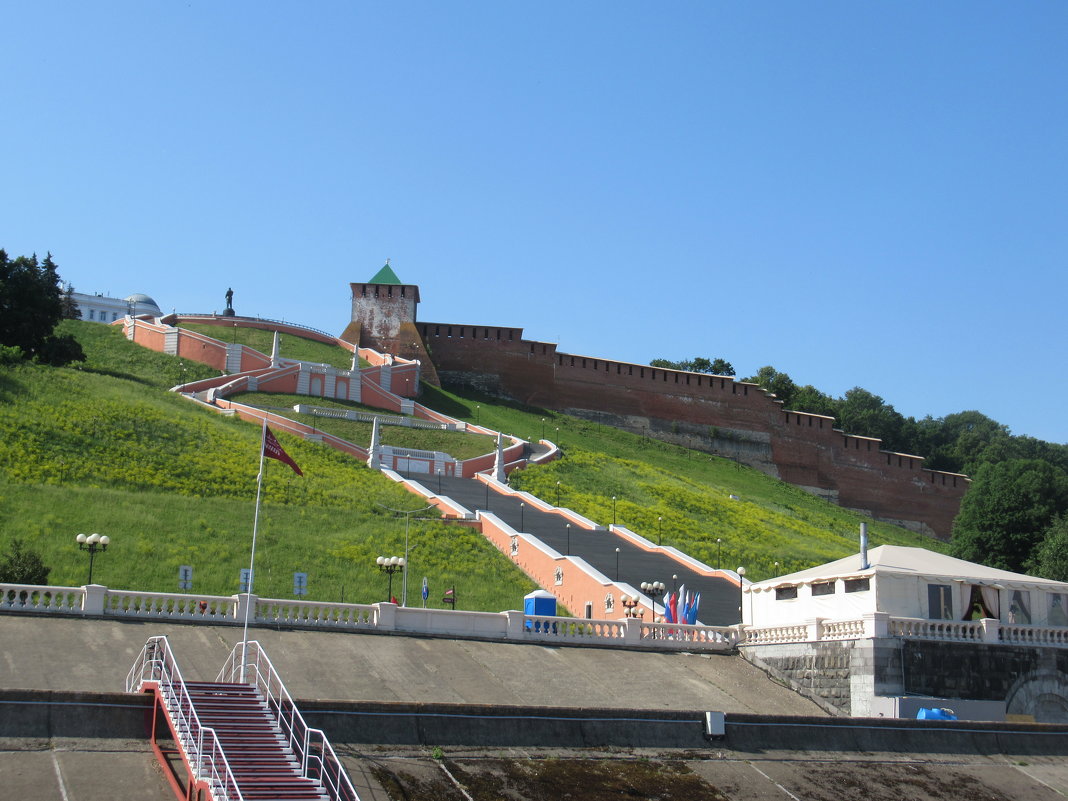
(101, 447)
(289, 346)
(770, 522)
(457, 444)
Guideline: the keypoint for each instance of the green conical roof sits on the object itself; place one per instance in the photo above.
(385, 276)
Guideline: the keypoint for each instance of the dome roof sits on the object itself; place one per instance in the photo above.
(139, 298)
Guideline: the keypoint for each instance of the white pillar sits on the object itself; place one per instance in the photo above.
(93, 599)
(373, 459)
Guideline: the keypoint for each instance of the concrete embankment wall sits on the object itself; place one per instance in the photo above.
(37, 714)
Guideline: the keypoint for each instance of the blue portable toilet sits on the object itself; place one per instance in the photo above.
(539, 602)
(928, 713)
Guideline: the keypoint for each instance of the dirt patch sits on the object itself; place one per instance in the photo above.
(552, 780)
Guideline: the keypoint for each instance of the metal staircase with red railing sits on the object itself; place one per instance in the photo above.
(239, 737)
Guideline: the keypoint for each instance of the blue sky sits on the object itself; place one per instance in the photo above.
(859, 194)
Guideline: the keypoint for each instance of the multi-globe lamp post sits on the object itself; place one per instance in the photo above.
(94, 544)
(390, 565)
(654, 590)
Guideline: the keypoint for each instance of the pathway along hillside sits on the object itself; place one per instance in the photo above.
(719, 597)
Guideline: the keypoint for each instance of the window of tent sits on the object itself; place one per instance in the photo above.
(785, 593)
(939, 602)
(1020, 607)
(1057, 615)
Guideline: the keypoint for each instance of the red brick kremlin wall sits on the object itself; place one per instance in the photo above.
(711, 413)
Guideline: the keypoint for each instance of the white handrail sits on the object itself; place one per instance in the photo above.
(259, 671)
(156, 663)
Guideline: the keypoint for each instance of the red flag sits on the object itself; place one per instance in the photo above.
(272, 449)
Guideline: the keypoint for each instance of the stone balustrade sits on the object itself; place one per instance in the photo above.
(95, 600)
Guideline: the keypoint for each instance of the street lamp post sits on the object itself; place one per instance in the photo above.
(543, 428)
(617, 564)
(407, 516)
(568, 540)
(557, 494)
(390, 565)
(741, 576)
(660, 530)
(613, 510)
(655, 590)
(719, 552)
(94, 544)
(478, 414)
(630, 604)
(522, 506)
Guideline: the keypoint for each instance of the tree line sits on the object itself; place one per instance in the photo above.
(32, 303)
(1015, 514)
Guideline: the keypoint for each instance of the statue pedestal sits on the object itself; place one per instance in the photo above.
(228, 313)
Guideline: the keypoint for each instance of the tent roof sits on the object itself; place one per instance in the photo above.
(901, 560)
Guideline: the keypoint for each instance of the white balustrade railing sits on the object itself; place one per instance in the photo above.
(775, 634)
(1015, 634)
(168, 606)
(33, 598)
(945, 630)
(674, 635)
(95, 600)
(842, 630)
(316, 613)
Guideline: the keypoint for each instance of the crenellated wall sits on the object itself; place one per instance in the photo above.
(713, 413)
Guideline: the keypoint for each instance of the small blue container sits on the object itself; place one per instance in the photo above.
(929, 713)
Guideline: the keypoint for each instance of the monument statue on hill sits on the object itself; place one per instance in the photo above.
(229, 311)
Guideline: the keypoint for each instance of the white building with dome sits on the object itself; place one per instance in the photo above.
(100, 308)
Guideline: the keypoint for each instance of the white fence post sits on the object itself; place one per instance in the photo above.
(515, 624)
(241, 600)
(94, 598)
(387, 615)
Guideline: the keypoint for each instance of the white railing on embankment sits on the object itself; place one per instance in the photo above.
(881, 624)
(95, 600)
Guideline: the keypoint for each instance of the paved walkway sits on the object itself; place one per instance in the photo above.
(632, 565)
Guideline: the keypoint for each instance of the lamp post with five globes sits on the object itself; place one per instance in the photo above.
(94, 543)
(390, 565)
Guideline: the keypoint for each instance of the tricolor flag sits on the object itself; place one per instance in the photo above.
(272, 449)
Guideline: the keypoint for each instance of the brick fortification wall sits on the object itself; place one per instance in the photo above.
(712, 413)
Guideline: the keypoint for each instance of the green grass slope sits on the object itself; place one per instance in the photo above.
(455, 443)
(102, 447)
(289, 345)
(770, 522)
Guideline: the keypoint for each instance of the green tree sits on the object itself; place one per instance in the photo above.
(22, 566)
(774, 381)
(864, 413)
(698, 364)
(722, 367)
(1051, 556)
(31, 304)
(1006, 511)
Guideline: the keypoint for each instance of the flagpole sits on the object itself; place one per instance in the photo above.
(252, 557)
